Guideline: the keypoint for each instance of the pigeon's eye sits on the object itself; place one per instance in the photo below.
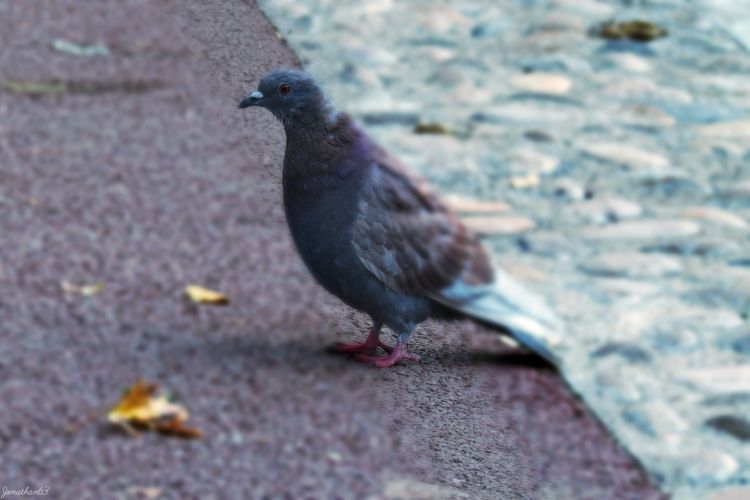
(284, 89)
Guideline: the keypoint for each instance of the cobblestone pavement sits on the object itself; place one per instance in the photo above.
(611, 174)
(124, 162)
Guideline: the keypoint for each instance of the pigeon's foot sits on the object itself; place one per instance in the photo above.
(397, 355)
(369, 346)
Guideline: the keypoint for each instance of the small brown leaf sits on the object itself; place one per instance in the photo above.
(637, 30)
(432, 128)
(202, 295)
(177, 427)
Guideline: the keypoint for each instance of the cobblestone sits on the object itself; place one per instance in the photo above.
(638, 214)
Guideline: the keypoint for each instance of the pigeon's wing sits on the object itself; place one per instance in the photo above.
(406, 237)
(414, 244)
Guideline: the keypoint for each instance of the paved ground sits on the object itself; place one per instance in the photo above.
(136, 170)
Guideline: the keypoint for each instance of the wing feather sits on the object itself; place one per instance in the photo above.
(410, 240)
(414, 244)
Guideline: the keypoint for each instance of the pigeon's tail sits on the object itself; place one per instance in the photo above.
(506, 303)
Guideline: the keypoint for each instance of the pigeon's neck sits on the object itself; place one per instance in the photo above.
(320, 149)
(314, 118)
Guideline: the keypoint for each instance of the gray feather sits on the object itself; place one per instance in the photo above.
(506, 303)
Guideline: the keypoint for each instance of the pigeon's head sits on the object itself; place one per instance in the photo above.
(290, 95)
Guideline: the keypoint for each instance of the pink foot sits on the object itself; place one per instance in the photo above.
(397, 355)
(369, 346)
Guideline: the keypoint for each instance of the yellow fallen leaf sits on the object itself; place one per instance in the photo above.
(86, 290)
(203, 295)
(141, 406)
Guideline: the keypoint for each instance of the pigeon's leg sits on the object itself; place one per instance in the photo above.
(369, 346)
(397, 355)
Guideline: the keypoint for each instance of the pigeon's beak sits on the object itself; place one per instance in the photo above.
(251, 100)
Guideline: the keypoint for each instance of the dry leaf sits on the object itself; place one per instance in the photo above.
(637, 30)
(177, 427)
(86, 290)
(203, 295)
(432, 128)
(142, 407)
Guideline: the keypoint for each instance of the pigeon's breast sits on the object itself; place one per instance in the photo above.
(320, 222)
(322, 231)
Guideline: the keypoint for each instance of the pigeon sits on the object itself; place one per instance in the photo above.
(375, 235)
